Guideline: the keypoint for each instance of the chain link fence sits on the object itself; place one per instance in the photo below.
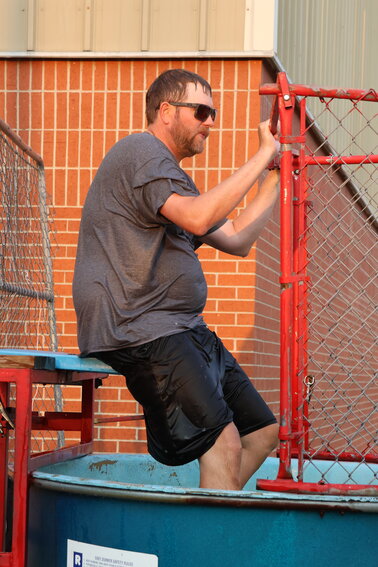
(26, 282)
(329, 288)
(341, 304)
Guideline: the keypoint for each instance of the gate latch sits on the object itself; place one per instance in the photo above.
(309, 382)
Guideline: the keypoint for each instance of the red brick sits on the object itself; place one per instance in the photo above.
(242, 75)
(255, 74)
(138, 74)
(211, 305)
(115, 381)
(245, 319)
(98, 110)
(36, 140)
(125, 395)
(49, 75)
(36, 112)
(111, 111)
(112, 433)
(70, 329)
(116, 407)
(220, 318)
(110, 139)
(75, 69)
(206, 252)
(87, 70)
(70, 343)
(36, 72)
(234, 332)
(24, 111)
(2, 104)
(107, 393)
(237, 280)
(12, 73)
(105, 447)
(86, 111)
(229, 75)
(126, 74)
(219, 266)
(61, 75)
(222, 292)
(215, 76)
(62, 289)
(141, 434)
(98, 147)
(132, 447)
(99, 75)
(227, 154)
(254, 112)
(112, 76)
(60, 183)
(73, 111)
(68, 212)
(73, 225)
(138, 117)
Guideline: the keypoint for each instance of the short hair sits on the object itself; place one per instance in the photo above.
(171, 86)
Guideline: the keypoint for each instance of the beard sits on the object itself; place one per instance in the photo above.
(188, 143)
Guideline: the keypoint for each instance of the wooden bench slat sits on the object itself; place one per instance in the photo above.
(48, 360)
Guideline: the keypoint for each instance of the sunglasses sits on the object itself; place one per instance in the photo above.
(202, 111)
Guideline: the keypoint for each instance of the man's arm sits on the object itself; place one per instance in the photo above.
(198, 214)
(238, 235)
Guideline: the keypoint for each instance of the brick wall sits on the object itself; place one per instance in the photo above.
(72, 112)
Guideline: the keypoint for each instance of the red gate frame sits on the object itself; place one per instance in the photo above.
(293, 434)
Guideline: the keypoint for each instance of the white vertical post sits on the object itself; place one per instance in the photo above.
(31, 25)
(88, 10)
(145, 23)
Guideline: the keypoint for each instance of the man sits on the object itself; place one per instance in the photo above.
(139, 289)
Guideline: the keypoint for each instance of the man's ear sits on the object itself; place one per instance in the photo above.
(166, 112)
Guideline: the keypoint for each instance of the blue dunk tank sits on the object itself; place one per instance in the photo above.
(316, 502)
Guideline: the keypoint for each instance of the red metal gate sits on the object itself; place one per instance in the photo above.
(329, 288)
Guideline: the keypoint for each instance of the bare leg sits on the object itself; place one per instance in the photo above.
(220, 465)
(230, 463)
(257, 446)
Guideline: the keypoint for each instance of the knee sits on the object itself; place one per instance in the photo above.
(220, 465)
(230, 443)
(271, 437)
(233, 448)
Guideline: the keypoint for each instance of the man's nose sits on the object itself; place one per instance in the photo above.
(209, 121)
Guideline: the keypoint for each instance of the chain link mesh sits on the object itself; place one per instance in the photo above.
(25, 276)
(26, 282)
(341, 303)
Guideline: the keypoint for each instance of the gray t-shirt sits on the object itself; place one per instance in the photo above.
(137, 275)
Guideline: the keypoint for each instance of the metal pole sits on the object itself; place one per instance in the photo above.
(286, 108)
(58, 397)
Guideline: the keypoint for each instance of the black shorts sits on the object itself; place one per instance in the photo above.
(190, 388)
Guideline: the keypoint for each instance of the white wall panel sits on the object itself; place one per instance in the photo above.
(174, 25)
(140, 27)
(13, 25)
(59, 26)
(116, 25)
(225, 25)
